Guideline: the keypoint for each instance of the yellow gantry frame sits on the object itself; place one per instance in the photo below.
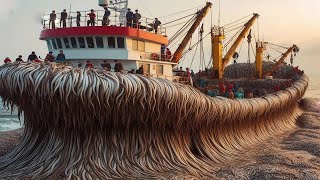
(260, 48)
(217, 48)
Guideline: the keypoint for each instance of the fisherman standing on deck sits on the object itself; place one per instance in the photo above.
(19, 59)
(32, 56)
(92, 17)
(61, 57)
(105, 21)
(156, 24)
(136, 18)
(52, 20)
(78, 18)
(129, 17)
(63, 18)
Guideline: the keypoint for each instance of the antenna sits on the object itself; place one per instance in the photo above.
(219, 13)
(120, 6)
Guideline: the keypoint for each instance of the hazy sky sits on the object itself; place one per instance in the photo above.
(283, 22)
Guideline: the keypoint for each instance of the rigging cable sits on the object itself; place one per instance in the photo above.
(237, 20)
(178, 19)
(187, 10)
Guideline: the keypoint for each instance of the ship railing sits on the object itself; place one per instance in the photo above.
(145, 24)
(156, 56)
(216, 30)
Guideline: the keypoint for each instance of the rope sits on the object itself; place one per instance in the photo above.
(240, 23)
(232, 38)
(183, 28)
(237, 20)
(178, 19)
(276, 50)
(175, 25)
(183, 54)
(231, 30)
(194, 55)
(278, 45)
(180, 12)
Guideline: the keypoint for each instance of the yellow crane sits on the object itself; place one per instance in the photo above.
(217, 36)
(200, 16)
(293, 48)
(260, 48)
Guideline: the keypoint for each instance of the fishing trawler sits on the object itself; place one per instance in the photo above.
(91, 124)
(142, 45)
(133, 46)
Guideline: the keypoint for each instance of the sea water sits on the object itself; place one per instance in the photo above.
(10, 121)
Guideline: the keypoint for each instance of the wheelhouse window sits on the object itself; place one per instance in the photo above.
(134, 45)
(90, 42)
(49, 44)
(160, 69)
(54, 43)
(120, 42)
(111, 42)
(141, 46)
(74, 43)
(99, 42)
(82, 43)
(59, 43)
(66, 42)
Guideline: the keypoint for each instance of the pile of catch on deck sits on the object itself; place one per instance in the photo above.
(92, 124)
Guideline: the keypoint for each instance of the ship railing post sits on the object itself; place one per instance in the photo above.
(97, 20)
(85, 18)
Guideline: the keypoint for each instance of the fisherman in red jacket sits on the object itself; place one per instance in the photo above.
(92, 17)
(89, 64)
(7, 60)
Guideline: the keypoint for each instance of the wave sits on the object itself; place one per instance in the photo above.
(96, 124)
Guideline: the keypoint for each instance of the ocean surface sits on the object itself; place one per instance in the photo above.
(10, 121)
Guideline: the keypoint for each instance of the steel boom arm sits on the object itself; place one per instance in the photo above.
(238, 41)
(201, 14)
(281, 60)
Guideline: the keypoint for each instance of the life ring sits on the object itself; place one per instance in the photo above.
(154, 56)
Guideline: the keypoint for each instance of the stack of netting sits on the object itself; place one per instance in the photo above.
(91, 124)
(247, 70)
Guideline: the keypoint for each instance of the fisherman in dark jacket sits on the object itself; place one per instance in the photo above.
(78, 18)
(52, 20)
(118, 66)
(32, 56)
(19, 59)
(129, 17)
(61, 57)
(63, 18)
(156, 24)
(105, 21)
(136, 18)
